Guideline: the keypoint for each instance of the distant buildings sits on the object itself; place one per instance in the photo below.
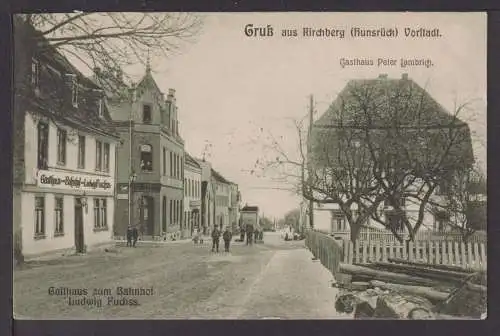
(192, 196)
(222, 189)
(64, 154)
(234, 207)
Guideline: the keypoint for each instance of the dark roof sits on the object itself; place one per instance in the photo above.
(397, 110)
(250, 208)
(191, 161)
(53, 99)
(217, 176)
(410, 104)
(148, 81)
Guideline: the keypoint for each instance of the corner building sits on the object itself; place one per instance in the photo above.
(151, 158)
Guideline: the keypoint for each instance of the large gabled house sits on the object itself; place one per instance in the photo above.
(372, 122)
(64, 152)
(151, 159)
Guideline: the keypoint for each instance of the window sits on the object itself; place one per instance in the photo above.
(171, 212)
(81, 151)
(74, 93)
(97, 214)
(146, 158)
(171, 165)
(43, 145)
(100, 214)
(106, 157)
(394, 220)
(164, 161)
(61, 146)
(185, 188)
(39, 217)
(100, 107)
(146, 114)
(441, 220)
(35, 74)
(58, 210)
(175, 165)
(164, 213)
(104, 213)
(98, 155)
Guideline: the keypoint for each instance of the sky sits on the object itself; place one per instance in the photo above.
(229, 85)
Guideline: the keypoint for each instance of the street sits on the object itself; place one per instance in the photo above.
(179, 280)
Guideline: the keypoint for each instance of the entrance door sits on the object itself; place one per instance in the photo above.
(148, 215)
(79, 233)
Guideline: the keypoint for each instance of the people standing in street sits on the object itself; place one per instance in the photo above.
(215, 239)
(227, 239)
(249, 232)
(135, 235)
(129, 235)
(256, 235)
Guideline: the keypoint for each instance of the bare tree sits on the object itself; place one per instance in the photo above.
(462, 206)
(381, 147)
(114, 40)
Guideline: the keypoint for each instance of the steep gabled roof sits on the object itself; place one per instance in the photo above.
(191, 161)
(407, 100)
(218, 177)
(147, 82)
(52, 100)
(381, 110)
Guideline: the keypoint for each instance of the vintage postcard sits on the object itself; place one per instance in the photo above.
(250, 165)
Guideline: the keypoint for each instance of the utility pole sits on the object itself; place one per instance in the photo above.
(309, 152)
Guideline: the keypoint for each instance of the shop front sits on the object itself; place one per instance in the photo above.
(66, 210)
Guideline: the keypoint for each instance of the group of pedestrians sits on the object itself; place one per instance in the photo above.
(226, 236)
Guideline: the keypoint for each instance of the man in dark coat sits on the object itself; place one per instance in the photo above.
(215, 239)
(227, 239)
(256, 235)
(249, 230)
(129, 235)
(135, 235)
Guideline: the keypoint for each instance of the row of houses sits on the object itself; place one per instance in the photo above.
(93, 155)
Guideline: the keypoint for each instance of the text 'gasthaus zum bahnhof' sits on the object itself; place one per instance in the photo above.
(100, 297)
(266, 31)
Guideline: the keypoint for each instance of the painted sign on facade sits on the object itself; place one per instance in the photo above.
(71, 181)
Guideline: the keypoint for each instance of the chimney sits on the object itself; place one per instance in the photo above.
(97, 72)
(132, 92)
(404, 76)
(171, 95)
(382, 76)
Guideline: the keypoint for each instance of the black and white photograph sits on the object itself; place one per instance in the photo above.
(249, 166)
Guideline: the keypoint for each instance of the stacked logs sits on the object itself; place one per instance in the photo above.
(403, 289)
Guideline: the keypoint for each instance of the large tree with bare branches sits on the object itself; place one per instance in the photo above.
(383, 147)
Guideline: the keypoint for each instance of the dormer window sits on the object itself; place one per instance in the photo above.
(100, 107)
(74, 93)
(35, 74)
(146, 114)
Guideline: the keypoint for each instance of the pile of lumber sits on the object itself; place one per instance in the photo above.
(400, 287)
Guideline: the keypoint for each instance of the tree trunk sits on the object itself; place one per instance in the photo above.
(426, 292)
(371, 274)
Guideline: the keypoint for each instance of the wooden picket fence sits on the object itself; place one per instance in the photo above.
(469, 255)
